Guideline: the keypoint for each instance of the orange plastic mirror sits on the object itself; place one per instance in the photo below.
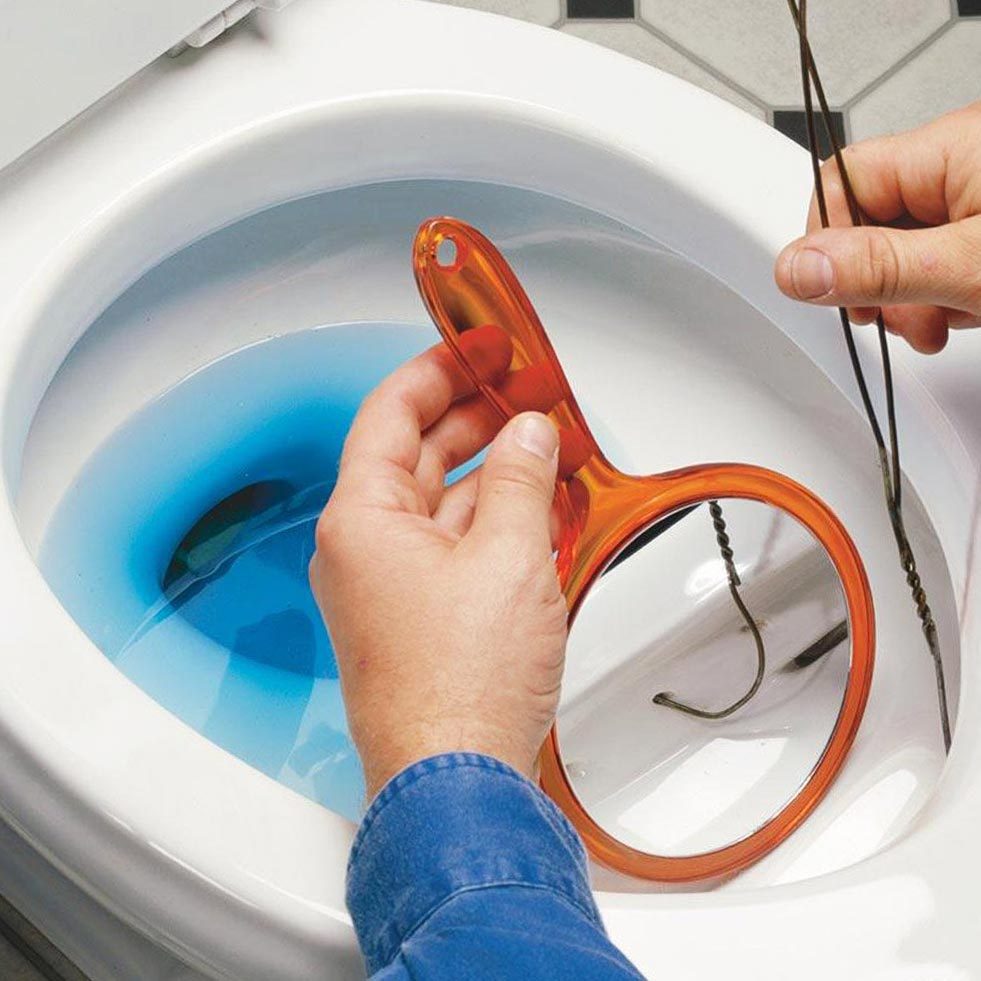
(467, 285)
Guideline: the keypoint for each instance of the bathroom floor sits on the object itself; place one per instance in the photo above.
(26, 955)
(887, 65)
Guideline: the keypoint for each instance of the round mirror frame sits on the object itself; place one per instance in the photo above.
(689, 487)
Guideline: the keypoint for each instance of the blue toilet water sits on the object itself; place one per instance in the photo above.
(182, 548)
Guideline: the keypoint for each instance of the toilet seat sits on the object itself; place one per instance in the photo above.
(187, 843)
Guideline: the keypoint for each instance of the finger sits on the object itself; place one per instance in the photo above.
(923, 327)
(462, 432)
(391, 419)
(453, 440)
(875, 266)
(862, 315)
(957, 319)
(469, 426)
(467, 429)
(835, 200)
(517, 483)
(386, 435)
(455, 510)
(575, 448)
(893, 177)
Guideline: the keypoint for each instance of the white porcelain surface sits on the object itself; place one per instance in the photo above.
(324, 258)
(239, 876)
(663, 621)
(543, 12)
(82, 929)
(86, 50)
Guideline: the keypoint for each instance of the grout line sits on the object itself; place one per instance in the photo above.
(704, 65)
(844, 107)
(897, 66)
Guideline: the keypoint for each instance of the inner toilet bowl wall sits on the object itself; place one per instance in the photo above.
(221, 883)
(638, 325)
(149, 336)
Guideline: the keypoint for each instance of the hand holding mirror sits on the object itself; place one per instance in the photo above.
(721, 624)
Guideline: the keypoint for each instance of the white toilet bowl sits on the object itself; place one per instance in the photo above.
(300, 156)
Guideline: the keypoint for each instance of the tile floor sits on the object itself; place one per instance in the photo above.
(887, 65)
(26, 955)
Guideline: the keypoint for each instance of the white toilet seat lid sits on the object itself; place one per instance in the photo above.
(87, 54)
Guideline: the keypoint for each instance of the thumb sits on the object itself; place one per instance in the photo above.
(517, 481)
(874, 266)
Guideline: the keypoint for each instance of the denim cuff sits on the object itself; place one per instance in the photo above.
(450, 824)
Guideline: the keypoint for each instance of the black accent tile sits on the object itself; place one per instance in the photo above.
(969, 8)
(793, 123)
(601, 9)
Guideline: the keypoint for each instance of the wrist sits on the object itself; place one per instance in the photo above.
(382, 763)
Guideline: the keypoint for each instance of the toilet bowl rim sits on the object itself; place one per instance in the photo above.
(358, 105)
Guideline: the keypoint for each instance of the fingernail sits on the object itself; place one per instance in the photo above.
(812, 274)
(537, 435)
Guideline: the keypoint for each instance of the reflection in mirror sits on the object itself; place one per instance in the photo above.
(706, 670)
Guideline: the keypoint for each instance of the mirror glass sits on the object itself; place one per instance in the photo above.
(706, 670)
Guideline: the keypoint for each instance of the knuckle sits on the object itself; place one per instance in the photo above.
(330, 534)
(552, 600)
(973, 291)
(513, 478)
(372, 400)
(881, 268)
(968, 267)
(829, 169)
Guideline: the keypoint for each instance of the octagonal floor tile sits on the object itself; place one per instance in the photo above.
(928, 85)
(754, 44)
(634, 40)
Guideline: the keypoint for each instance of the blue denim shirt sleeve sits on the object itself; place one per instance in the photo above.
(463, 868)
